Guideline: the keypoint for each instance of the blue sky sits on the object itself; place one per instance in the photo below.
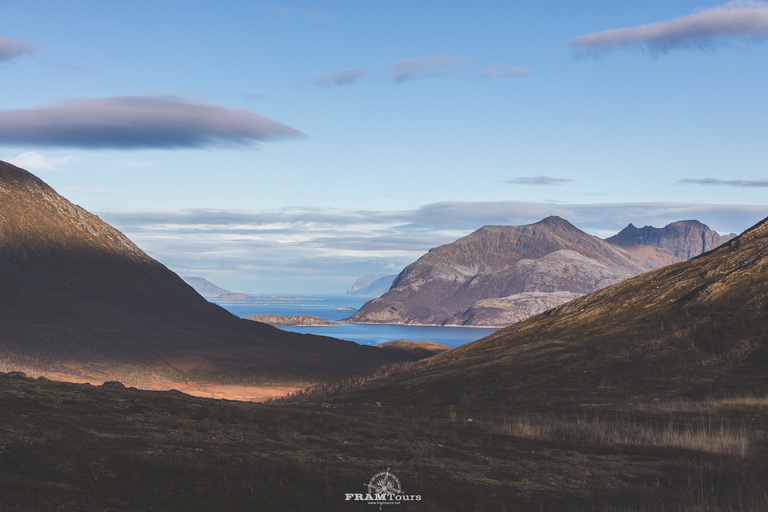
(295, 146)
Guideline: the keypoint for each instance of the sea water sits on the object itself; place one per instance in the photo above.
(338, 307)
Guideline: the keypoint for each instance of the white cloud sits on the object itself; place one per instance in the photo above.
(33, 161)
(745, 20)
(299, 245)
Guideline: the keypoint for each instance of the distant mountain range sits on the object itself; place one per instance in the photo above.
(212, 292)
(372, 285)
(80, 301)
(693, 329)
(499, 275)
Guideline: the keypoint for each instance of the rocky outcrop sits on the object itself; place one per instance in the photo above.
(291, 321)
(502, 274)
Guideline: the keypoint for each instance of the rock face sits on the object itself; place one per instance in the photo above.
(502, 274)
(291, 321)
(212, 292)
(372, 285)
(674, 242)
(78, 298)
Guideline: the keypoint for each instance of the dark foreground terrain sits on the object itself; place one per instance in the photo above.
(79, 447)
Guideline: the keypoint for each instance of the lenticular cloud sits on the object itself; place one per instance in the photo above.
(743, 20)
(132, 122)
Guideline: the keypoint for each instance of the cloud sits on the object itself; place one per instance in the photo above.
(347, 77)
(426, 67)
(36, 162)
(133, 122)
(12, 48)
(283, 250)
(497, 71)
(538, 180)
(745, 20)
(728, 183)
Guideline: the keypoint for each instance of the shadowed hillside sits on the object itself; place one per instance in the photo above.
(693, 329)
(81, 301)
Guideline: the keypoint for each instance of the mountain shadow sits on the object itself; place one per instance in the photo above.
(80, 301)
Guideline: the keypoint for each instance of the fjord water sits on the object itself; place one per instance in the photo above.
(328, 308)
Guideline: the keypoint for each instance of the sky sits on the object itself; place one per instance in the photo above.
(293, 147)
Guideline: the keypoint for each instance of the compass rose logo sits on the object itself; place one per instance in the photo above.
(383, 489)
(384, 483)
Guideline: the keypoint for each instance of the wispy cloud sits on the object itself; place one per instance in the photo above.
(538, 180)
(271, 250)
(347, 77)
(12, 48)
(744, 20)
(498, 71)
(36, 162)
(133, 122)
(408, 70)
(425, 67)
(727, 183)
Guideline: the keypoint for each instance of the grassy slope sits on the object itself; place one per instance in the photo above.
(79, 447)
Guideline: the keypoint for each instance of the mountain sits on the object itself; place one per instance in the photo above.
(212, 292)
(693, 329)
(79, 301)
(503, 274)
(674, 242)
(372, 285)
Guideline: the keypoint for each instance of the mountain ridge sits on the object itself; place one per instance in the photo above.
(497, 274)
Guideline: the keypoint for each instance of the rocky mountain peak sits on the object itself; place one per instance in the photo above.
(501, 274)
(678, 241)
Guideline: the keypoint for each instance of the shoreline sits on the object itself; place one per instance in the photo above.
(426, 325)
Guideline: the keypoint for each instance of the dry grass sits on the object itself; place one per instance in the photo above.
(703, 434)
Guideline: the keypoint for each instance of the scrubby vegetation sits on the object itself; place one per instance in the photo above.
(79, 447)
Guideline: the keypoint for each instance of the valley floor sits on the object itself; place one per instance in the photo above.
(80, 447)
